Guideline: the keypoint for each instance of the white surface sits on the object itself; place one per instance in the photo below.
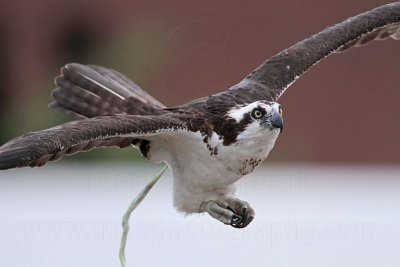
(70, 215)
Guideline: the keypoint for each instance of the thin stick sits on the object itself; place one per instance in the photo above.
(134, 204)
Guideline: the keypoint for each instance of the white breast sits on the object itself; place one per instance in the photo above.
(198, 173)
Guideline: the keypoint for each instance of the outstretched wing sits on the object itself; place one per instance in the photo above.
(270, 80)
(36, 148)
(86, 91)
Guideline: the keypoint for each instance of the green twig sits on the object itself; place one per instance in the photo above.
(134, 204)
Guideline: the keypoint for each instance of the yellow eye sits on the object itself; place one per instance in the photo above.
(257, 114)
(280, 110)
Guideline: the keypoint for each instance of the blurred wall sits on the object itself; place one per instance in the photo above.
(344, 110)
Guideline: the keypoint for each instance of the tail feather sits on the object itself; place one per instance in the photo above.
(78, 99)
(89, 91)
(88, 107)
(125, 83)
(91, 80)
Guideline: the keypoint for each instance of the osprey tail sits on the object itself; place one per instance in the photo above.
(86, 91)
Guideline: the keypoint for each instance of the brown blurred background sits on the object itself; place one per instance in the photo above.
(345, 110)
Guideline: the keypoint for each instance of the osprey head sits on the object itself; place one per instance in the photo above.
(258, 117)
(252, 129)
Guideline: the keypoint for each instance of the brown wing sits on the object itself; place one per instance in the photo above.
(86, 91)
(274, 76)
(36, 148)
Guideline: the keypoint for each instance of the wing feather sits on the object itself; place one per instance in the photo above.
(270, 80)
(37, 148)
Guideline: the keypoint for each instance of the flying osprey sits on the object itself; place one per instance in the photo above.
(209, 143)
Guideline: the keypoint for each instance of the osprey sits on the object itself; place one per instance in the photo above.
(209, 143)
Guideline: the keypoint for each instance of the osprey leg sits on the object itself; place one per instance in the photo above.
(231, 211)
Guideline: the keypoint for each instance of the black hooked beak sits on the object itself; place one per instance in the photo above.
(275, 120)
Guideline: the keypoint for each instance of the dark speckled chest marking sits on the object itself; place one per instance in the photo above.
(249, 165)
(213, 150)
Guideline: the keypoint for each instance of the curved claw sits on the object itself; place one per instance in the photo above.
(244, 212)
(246, 216)
(236, 219)
(243, 223)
